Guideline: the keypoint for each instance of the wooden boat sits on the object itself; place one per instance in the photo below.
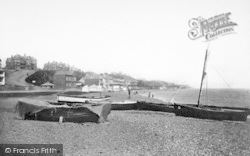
(81, 98)
(45, 111)
(142, 105)
(124, 105)
(210, 112)
(76, 115)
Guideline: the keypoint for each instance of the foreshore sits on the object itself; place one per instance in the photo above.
(128, 132)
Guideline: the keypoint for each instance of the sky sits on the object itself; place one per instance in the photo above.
(142, 38)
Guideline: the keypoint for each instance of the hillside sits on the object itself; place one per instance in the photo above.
(40, 77)
(121, 75)
(18, 77)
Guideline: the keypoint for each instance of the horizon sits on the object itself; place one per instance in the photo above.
(143, 39)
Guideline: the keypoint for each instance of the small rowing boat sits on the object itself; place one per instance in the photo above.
(81, 98)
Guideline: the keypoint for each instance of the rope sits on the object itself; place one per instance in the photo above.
(172, 99)
(222, 77)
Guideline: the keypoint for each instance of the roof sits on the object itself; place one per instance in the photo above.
(92, 76)
(91, 81)
(106, 76)
(65, 72)
(81, 80)
(47, 84)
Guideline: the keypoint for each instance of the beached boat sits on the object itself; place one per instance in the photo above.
(81, 98)
(210, 112)
(28, 109)
(142, 105)
(124, 105)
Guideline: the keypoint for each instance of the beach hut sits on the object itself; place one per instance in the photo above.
(85, 88)
(93, 88)
(48, 85)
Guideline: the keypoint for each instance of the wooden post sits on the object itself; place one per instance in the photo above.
(60, 119)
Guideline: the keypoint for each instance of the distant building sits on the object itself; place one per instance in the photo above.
(117, 84)
(92, 79)
(48, 85)
(132, 83)
(107, 82)
(163, 87)
(2, 77)
(56, 66)
(82, 81)
(18, 62)
(64, 79)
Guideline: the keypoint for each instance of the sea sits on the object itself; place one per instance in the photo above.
(216, 97)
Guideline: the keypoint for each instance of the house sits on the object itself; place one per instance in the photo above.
(48, 85)
(117, 84)
(92, 79)
(103, 81)
(82, 81)
(64, 79)
(2, 77)
(18, 62)
(132, 83)
(106, 81)
(163, 87)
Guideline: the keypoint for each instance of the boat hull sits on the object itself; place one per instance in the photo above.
(126, 105)
(155, 107)
(82, 99)
(142, 105)
(28, 109)
(212, 112)
(76, 115)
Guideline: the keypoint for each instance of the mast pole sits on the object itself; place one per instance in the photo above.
(203, 75)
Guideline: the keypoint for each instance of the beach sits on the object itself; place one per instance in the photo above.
(128, 132)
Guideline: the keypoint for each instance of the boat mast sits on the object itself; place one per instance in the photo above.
(203, 76)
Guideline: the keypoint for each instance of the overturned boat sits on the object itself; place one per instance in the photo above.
(81, 98)
(28, 109)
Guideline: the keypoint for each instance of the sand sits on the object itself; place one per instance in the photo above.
(129, 133)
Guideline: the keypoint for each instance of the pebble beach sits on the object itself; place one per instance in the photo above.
(134, 132)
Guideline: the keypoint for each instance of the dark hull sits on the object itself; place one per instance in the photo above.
(141, 105)
(130, 106)
(212, 112)
(81, 98)
(155, 107)
(76, 115)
